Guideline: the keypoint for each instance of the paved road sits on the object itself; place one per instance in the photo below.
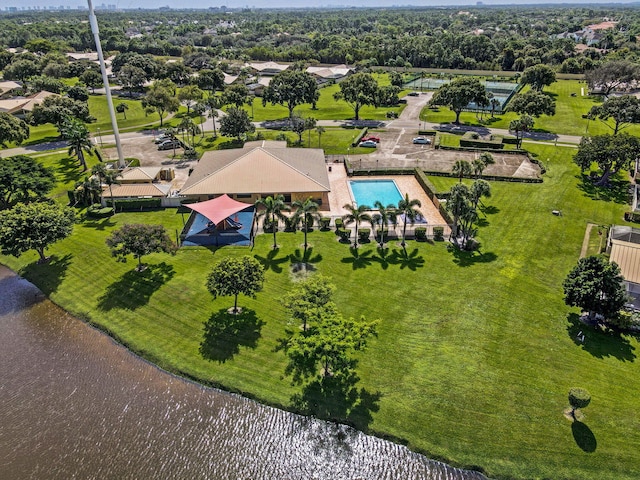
(408, 120)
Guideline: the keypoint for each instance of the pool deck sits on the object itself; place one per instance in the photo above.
(340, 194)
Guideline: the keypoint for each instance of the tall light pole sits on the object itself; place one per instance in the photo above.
(114, 124)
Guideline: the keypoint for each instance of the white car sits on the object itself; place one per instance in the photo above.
(422, 140)
(368, 144)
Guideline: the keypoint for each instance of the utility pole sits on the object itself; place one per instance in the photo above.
(114, 124)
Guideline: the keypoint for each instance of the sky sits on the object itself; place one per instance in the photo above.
(130, 4)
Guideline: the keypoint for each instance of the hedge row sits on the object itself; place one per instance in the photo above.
(138, 204)
(632, 216)
(362, 133)
(430, 190)
(489, 177)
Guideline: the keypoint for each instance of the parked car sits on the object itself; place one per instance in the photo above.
(368, 144)
(422, 140)
(413, 94)
(169, 144)
(372, 138)
(162, 137)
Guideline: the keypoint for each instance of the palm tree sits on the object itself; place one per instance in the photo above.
(383, 217)
(408, 208)
(306, 212)
(461, 168)
(320, 129)
(479, 189)
(87, 191)
(214, 104)
(480, 163)
(273, 208)
(108, 177)
(357, 215)
(77, 136)
(122, 108)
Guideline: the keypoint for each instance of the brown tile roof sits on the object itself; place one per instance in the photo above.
(140, 174)
(261, 170)
(134, 190)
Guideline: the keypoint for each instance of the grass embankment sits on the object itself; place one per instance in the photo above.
(567, 120)
(475, 353)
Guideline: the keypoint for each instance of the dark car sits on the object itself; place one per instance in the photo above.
(170, 144)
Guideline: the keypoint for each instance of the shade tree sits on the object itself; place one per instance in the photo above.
(34, 226)
(161, 100)
(56, 110)
(290, 89)
(459, 93)
(357, 91)
(623, 110)
(12, 129)
(235, 276)
(611, 153)
(608, 76)
(23, 179)
(596, 286)
(139, 240)
(308, 300)
(533, 103)
(236, 123)
(538, 76)
(328, 344)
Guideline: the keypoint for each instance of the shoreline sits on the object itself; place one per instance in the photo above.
(221, 389)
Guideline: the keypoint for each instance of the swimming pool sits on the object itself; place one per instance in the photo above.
(367, 192)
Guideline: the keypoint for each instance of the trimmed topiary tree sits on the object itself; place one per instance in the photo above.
(578, 398)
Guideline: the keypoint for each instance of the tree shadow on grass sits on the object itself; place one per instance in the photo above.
(383, 257)
(337, 398)
(100, 224)
(69, 170)
(489, 209)
(305, 256)
(134, 289)
(464, 258)
(49, 275)
(271, 262)
(617, 191)
(358, 259)
(401, 257)
(225, 333)
(584, 437)
(599, 343)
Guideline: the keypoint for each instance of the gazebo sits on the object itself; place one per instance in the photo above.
(220, 221)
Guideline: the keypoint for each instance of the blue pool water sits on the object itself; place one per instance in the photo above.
(367, 192)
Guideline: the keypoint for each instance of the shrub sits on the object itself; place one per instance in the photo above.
(290, 224)
(344, 234)
(421, 233)
(339, 224)
(132, 162)
(363, 235)
(579, 398)
(269, 227)
(324, 223)
(438, 233)
(98, 211)
(632, 217)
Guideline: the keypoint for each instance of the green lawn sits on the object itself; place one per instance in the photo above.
(475, 353)
(327, 107)
(567, 120)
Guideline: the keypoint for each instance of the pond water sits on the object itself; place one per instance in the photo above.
(77, 405)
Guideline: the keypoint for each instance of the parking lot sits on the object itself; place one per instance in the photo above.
(142, 147)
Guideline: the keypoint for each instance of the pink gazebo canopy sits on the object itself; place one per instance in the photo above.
(218, 208)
